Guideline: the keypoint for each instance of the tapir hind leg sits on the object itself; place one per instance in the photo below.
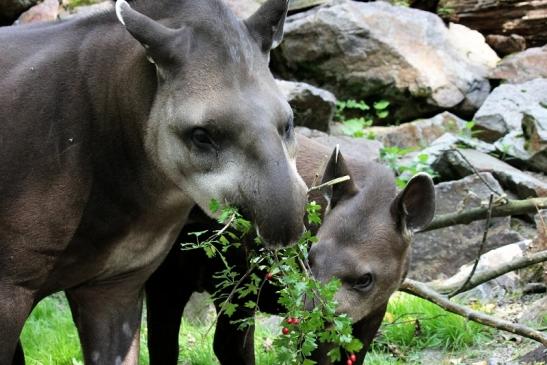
(108, 320)
(15, 306)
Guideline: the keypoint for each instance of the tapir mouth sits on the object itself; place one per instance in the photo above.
(275, 245)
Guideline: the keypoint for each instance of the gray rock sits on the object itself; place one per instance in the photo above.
(534, 314)
(11, 9)
(455, 164)
(200, 309)
(505, 108)
(521, 67)
(244, 8)
(313, 107)
(523, 152)
(86, 10)
(499, 286)
(362, 50)
(310, 133)
(420, 132)
(441, 252)
(448, 141)
(534, 288)
(358, 148)
(506, 44)
(47, 10)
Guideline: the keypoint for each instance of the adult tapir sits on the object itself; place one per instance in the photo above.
(113, 126)
(363, 241)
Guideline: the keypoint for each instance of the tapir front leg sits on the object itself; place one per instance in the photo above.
(15, 306)
(108, 320)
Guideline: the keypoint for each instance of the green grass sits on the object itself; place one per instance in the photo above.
(50, 338)
(413, 324)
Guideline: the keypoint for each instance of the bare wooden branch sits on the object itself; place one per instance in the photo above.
(512, 207)
(448, 285)
(423, 291)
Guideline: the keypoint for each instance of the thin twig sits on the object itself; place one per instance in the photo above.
(338, 180)
(230, 296)
(480, 252)
(423, 291)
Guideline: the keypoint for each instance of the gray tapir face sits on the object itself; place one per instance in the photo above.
(219, 126)
(365, 237)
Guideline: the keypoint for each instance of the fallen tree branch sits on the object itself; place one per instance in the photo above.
(423, 291)
(449, 285)
(512, 207)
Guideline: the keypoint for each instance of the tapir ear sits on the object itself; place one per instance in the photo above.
(156, 38)
(415, 204)
(336, 167)
(266, 24)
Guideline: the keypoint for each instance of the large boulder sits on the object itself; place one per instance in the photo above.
(506, 107)
(11, 9)
(441, 252)
(458, 163)
(313, 107)
(521, 67)
(376, 50)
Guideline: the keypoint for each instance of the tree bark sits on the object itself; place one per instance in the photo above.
(512, 207)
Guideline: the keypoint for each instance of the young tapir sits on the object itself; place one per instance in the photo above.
(363, 241)
(113, 126)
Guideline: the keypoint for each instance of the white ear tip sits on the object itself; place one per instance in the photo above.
(119, 10)
(337, 152)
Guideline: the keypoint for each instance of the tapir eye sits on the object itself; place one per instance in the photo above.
(201, 139)
(364, 282)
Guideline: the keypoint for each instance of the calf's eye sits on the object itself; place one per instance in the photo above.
(364, 282)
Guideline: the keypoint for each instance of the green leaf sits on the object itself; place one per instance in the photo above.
(381, 105)
(214, 206)
(230, 308)
(382, 114)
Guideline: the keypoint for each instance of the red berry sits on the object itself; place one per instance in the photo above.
(349, 362)
(269, 276)
(290, 320)
(295, 321)
(285, 331)
(353, 358)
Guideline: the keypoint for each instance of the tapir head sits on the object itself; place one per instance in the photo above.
(365, 236)
(219, 127)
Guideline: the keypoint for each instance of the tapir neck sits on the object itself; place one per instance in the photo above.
(122, 85)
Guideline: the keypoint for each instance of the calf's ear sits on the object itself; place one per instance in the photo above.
(414, 206)
(163, 45)
(336, 167)
(266, 24)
